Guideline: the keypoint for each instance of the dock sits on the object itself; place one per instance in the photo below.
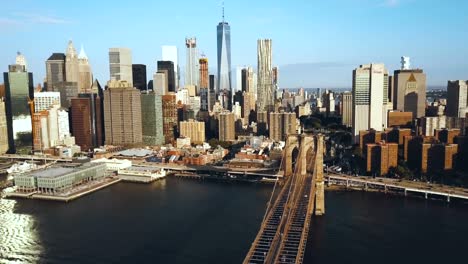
(77, 192)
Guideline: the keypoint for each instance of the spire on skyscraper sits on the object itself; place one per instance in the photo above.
(71, 51)
(223, 11)
(82, 53)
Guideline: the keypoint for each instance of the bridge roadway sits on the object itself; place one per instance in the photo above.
(284, 230)
(403, 186)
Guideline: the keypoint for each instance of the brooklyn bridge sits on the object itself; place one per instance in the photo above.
(282, 236)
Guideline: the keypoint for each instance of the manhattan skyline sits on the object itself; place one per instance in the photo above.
(316, 44)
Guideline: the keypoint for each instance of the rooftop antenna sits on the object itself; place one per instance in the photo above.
(223, 11)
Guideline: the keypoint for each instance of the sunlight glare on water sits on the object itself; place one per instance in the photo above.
(19, 242)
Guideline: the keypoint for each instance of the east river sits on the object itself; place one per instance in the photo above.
(190, 221)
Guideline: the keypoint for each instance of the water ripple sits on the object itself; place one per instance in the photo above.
(19, 242)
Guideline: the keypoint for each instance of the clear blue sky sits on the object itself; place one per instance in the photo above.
(316, 43)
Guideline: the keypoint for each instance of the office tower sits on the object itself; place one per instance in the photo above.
(67, 90)
(223, 31)
(281, 125)
(239, 72)
(72, 65)
(409, 89)
(328, 100)
(212, 92)
(87, 121)
(51, 128)
(244, 84)
(152, 118)
(139, 76)
(370, 90)
(226, 126)
(265, 93)
(3, 128)
(86, 74)
(347, 109)
(204, 77)
(204, 99)
(248, 105)
(169, 53)
(204, 90)
(19, 95)
(457, 98)
(55, 71)
(122, 114)
(191, 66)
(194, 130)
(170, 75)
(194, 104)
(40, 130)
(275, 73)
(160, 86)
(237, 110)
(44, 100)
(169, 110)
(120, 65)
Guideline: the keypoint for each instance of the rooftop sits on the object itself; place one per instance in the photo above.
(53, 172)
(135, 152)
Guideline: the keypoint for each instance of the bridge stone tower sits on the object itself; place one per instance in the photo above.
(319, 182)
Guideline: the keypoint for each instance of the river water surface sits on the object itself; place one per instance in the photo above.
(189, 221)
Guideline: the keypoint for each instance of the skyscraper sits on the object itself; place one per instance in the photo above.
(239, 70)
(370, 98)
(265, 92)
(204, 79)
(457, 98)
(44, 100)
(281, 125)
(19, 93)
(152, 118)
(122, 114)
(226, 126)
(86, 74)
(223, 31)
(55, 71)
(170, 75)
(72, 70)
(204, 90)
(409, 93)
(139, 76)
(169, 117)
(191, 66)
(160, 83)
(87, 123)
(120, 64)
(194, 130)
(3, 128)
(347, 109)
(169, 53)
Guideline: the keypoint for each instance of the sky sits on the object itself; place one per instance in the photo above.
(316, 43)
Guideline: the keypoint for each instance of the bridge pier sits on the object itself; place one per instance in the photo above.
(425, 195)
(406, 192)
(448, 198)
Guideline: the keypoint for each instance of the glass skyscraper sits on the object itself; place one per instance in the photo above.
(19, 92)
(224, 56)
